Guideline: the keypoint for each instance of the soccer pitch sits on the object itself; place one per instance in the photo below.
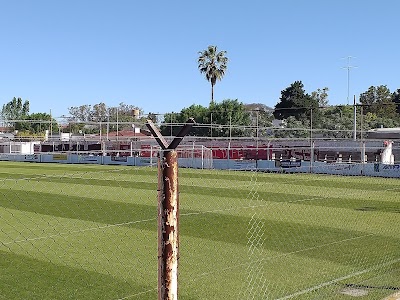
(90, 232)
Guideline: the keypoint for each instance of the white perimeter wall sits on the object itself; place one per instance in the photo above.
(366, 169)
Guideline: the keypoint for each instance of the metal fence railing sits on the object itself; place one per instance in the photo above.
(259, 218)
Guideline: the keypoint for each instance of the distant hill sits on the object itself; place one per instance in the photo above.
(259, 106)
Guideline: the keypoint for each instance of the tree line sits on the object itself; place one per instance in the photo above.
(301, 113)
(376, 107)
(16, 114)
(81, 119)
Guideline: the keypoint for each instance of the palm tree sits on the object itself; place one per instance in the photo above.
(213, 64)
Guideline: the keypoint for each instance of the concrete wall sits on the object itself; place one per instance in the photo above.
(366, 169)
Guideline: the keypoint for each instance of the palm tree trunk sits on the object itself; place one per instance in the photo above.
(212, 93)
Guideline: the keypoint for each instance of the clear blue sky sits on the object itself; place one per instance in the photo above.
(58, 54)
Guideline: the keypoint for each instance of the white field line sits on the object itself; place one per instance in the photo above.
(252, 184)
(138, 294)
(113, 225)
(126, 223)
(62, 234)
(282, 255)
(254, 189)
(148, 220)
(61, 176)
(45, 176)
(355, 193)
(25, 178)
(254, 178)
(395, 296)
(139, 221)
(324, 284)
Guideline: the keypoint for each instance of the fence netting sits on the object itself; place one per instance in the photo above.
(261, 217)
(290, 236)
(77, 232)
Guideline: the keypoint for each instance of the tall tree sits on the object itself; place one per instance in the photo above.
(336, 122)
(379, 100)
(82, 113)
(321, 96)
(123, 114)
(230, 118)
(396, 99)
(294, 129)
(173, 121)
(213, 64)
(44, 122)
(15, 109)
(100, 112)
(296, 102)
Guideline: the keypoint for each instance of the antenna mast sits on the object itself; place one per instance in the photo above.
(348, 67)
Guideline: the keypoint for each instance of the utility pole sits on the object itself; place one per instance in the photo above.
(168, 211)
(348, 67)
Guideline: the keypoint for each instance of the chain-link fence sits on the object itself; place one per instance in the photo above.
(77, 232)
(289, 236)
(261, 216)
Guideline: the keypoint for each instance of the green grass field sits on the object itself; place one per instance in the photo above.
(90, 232)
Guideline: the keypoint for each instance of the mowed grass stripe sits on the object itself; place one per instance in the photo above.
(97, 182)
(109, 210)
(269, 192)
(273, 185)
(133, 188)
(358, 204)
(307, 180)
(4, 176)
(114, 193)
(55, 168)
(231, 229)
(215, 256)
(242, 194)
(152, 186)
(213, 248)
(311, 228)
(194, 195)
(289, 237)
(75, 207)
(28, 278)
